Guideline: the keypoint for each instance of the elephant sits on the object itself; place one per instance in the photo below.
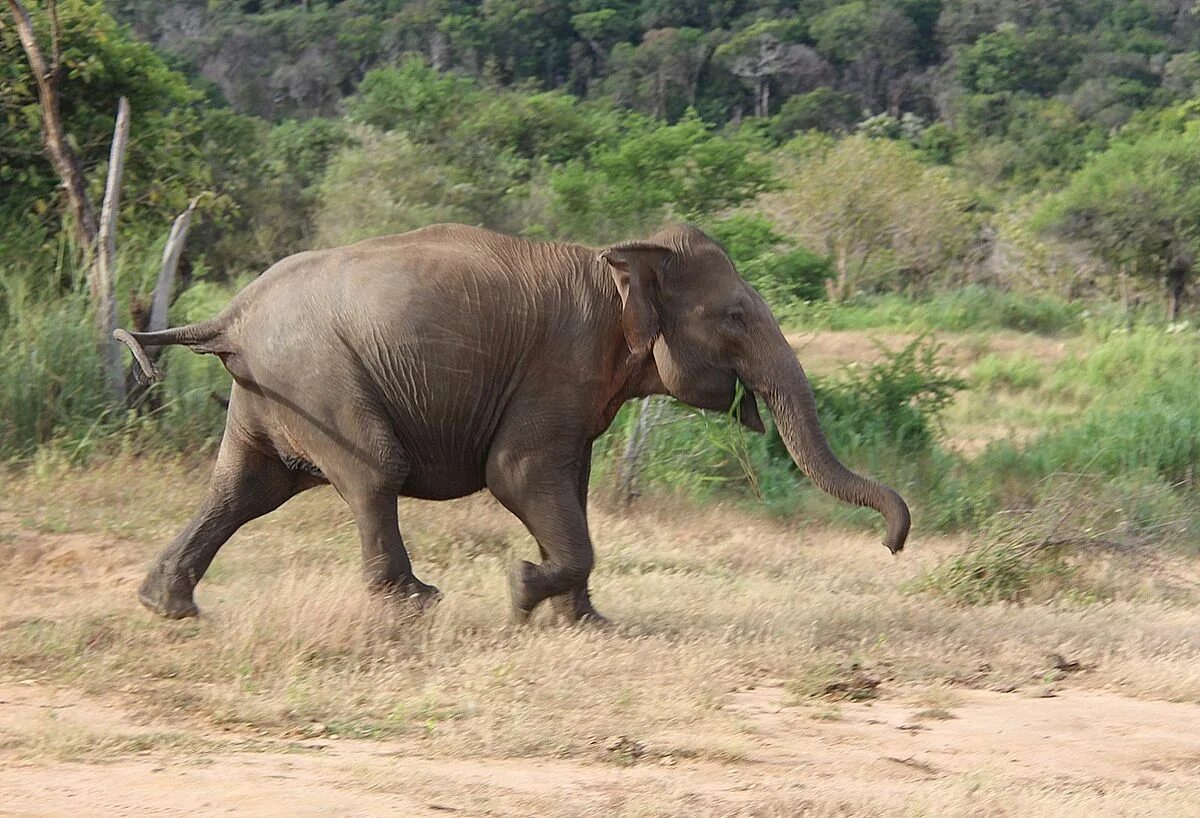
(439, 362)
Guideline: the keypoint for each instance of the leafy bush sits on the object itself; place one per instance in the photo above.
(990, 573)
(1038, 551)
(787, 277)
(893, 404)
(685, 170)
(745, 236)
(782, 272)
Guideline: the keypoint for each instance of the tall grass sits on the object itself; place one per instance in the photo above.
(1138, 411)
(970, 309)
(52, 394)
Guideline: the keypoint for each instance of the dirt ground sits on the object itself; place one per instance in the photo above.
(1075, 739)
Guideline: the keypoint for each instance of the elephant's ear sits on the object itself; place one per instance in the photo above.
(635, 268)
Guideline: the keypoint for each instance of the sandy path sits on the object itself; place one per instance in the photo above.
(1074, 738)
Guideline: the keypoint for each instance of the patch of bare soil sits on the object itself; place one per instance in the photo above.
(791, 761)
(50, 562)
(824, 351)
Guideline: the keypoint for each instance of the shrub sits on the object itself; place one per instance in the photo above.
(1036, 551)
(784, 278)
(781, 271)
(893, 404)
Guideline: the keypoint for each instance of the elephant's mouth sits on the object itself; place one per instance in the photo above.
(746, 407)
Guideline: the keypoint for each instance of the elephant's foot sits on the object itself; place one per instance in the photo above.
(575, 608)
(414, 593)
(571, 608)
(159, 597)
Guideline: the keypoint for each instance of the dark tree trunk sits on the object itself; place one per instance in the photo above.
(1179, 272)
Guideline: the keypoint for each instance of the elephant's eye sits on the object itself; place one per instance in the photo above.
(735, 320)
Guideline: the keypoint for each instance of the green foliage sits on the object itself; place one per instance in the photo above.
(1009, 60)
(745, 236)
(782, 272)
(50, 371)
(789, 276)
(973, 308)
(1041, 550)
(887, 220)
(1137, 393)
(821, 110)
(102, 61)
(51, 390)
(1137, 204)
(991, 573)
(386, 183)
(1016, 373)
(893, 404)
(686, 170)
(414, 98)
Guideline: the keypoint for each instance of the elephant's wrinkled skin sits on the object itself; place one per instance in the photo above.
(449, 359)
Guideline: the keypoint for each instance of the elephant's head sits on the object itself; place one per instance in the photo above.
(707, 329)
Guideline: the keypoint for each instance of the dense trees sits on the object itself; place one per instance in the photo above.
(900, 144)
(935, 58)
(1137, 205)
(884, 219)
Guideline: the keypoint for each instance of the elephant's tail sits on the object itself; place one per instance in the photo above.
(206, 336)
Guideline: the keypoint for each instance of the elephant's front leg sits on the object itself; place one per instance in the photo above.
(541, 486)
(576, 604)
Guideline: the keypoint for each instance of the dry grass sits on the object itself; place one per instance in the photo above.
(708, 601)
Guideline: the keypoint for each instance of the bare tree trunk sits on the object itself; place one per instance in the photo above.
(1178, 272)
(648, 410)
(837, 288)
(762, 101)
(103, 273)
(160, 301)
(62, 157)
(165, 285)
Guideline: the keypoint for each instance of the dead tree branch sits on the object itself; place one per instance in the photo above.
(103, 274)
(65, 161)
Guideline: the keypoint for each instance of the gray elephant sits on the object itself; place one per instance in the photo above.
(439, 362)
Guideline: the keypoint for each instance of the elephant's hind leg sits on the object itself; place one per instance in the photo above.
(369, 482)
(245, 484)
(386, 564)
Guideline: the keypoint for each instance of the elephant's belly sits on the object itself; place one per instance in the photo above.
(444, 481)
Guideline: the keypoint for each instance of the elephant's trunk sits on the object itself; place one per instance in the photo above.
(790, 398)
